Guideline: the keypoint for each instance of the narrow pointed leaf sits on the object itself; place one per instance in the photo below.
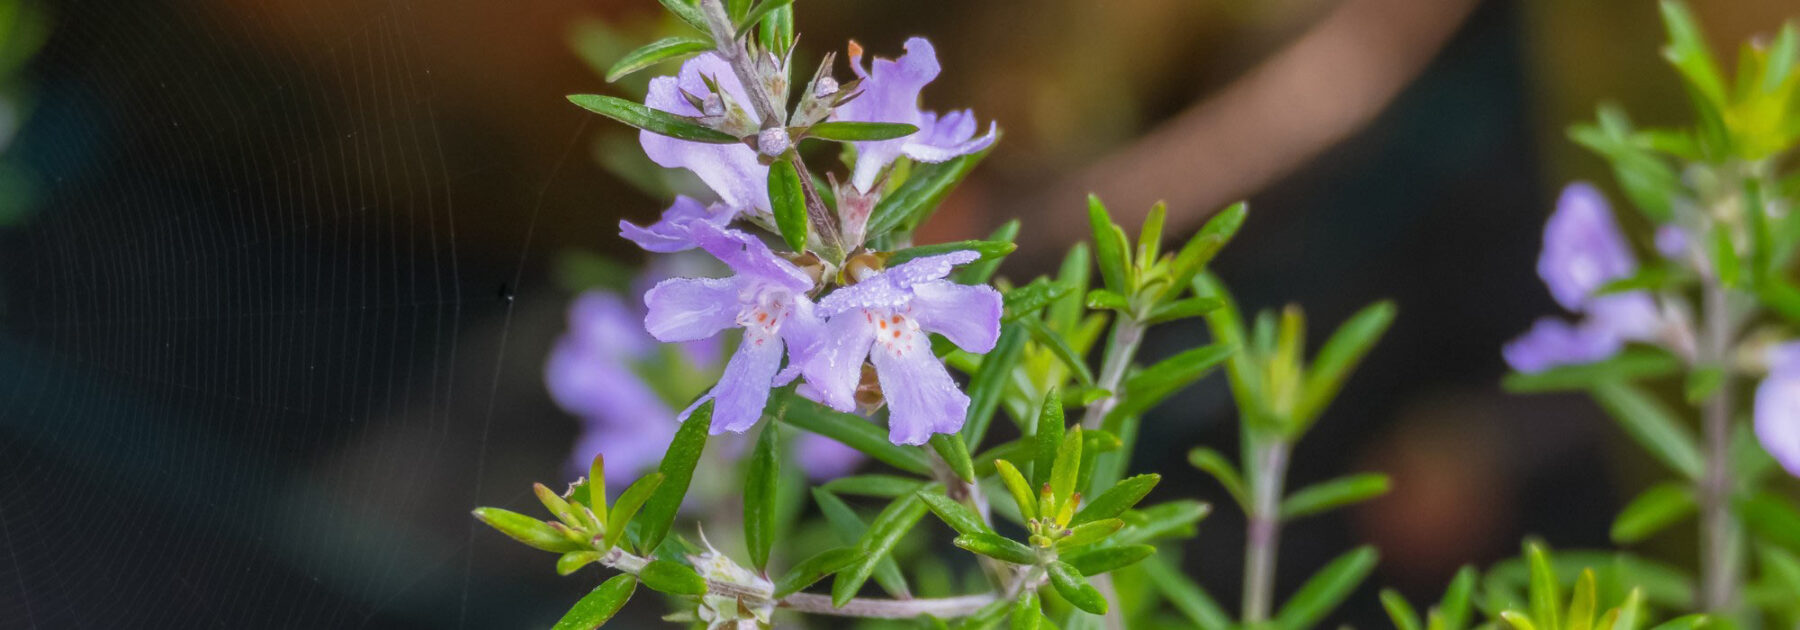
(997, 547)
(1067, 467)
(1333, 494)
(1634, 364)
(688, 11)
(1657, 508)
(1096, 561)
(759, 496)
(1455, 606)
(884, 532)
(1073, 587)
(815, 568)
(1653, 425)
(1025, 612)
(1339, 356)
(651, 120)
(1214, 464)
(1161, 521)
(907, 206)
(789, 204)
(1017, 486)
(1049, 437)
(852, 431)
(672, 577)
(1186, 596)
(1401, 612)
(599, 605)
(989, 382)
(677, 469)
(982, 270)
(755, 16)
(1583, 604)
(665, 49)
(851, 530)
(1326, 589)
(950, 447)
(884, 486)
(1110, 249)
(1543, 591)
(528, 530)
(954, 514)
(1156, 383)
(849, 131)
(1059, 347)
(1117, 499)
(1028, 299)
(626, 508)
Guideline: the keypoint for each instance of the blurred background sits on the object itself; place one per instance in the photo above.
(278, 278)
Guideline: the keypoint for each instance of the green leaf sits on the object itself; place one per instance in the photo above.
(556, 505)
(1090, 532)
(1108, 300)
(1182, 309)
(1631, 365)
(674, 578)
(989, 383)
(665, 49)
(1110, 249)
(982, 270)
(1519, 621)
(1326, 589)
(852, 431)
(1073, 587)
(997, 547)
(755, 16)
(525, 529)
(1206, 243)
(1026, 611)
(1652, 425)
(1017, 486)
(950, 447)
(1454, 607)
(1117, 499)
(688, 11)
(626, 508)
(988, 250)
(884, 486)
(1186, 596)
(849, 528)
(1657, 508)
(1048, 436)
(677, 469)
(1145, 389)
(1687, 622)
(1772, 519)
(954, 514)
(1104, 559)
(884, 532)
(1026, 300)
(1333, 494)
(759, 496)
(1339, 356)
(776, 31)
(1545, 593)
(1161, 521)
(599, 605)
(1725, 258)
(1066, 467)
(849, 131)
(1583, 603)
(1059, 348)
(1150, 236)
(651, 120)
(815, 568)
(594, 491)
(1405, 618)
(789, 204)
(1688, 51)
(908, 205)
(573, 561)
(1214, 464)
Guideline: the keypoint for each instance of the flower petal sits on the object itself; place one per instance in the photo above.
(731, 170)
(670, 233)
(686, 309)
(892, 288)
(1777, 417)
(969, 316)
(749, 256)
(1552, 342)
(1583, 248)
(833, 365)
(890, 94)
(940, 139)
(743, 390)
(921, 398)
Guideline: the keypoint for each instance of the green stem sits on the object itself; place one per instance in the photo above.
(1127, 335)
(1263, 526)
(1720, 552)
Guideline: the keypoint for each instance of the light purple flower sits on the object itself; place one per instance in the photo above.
(885, 318)
(1777, 412)
(590, 374)
(671, 233)
(767, 298)
(1583, 248)
(731, 170)
(823, 458)
(1671, 241)
(890, 94)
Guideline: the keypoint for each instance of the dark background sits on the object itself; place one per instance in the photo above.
(277, 320)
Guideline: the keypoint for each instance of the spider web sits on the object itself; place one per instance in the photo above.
(259, 341)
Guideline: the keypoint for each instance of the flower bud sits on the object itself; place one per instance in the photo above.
(773, 141)
(825, 87)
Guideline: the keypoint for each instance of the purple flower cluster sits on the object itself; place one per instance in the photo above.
(1584, 250)
(599, 369)
(847, 332)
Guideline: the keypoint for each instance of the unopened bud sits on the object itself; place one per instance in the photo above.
(773, 141)
(713, 106)
(825, 87)
(860, 266)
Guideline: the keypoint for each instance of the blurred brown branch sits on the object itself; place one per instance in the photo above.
(1319, 90)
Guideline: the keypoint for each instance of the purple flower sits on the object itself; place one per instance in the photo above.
(890, 93)
(1777, 412)
(1583, 250)
(767, 298)
(590, 374)
(730, 170)
(823, 458)
(886, 317)
(670, 233)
